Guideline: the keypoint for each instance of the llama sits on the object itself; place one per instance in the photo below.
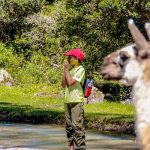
(131, 64)
(115, 65)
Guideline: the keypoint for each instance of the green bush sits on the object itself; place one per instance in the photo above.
(13, 14)
(102, 26)
(39, 70)
(114, 91)
(8, 60)
(38, 32)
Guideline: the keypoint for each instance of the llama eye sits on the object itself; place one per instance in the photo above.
(124, 57)
(114, 62)
(135, 50)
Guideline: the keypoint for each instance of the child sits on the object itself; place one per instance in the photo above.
(74, 109)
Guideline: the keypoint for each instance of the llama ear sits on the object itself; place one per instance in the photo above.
(137, 35)
(147, 27)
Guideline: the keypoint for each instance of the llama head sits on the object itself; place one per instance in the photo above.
(125, 63)
(119, 65)
(110, 68)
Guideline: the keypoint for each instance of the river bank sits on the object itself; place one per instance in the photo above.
(20, 104)
(57, 118)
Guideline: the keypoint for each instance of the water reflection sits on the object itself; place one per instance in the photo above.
(46, 137)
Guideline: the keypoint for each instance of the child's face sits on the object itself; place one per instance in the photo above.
(72, 60)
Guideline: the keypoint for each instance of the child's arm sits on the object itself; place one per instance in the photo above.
(63, 82)
(70, 81)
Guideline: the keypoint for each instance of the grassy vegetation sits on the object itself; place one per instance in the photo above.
(110, 111)
(26, 96)
(20, 104)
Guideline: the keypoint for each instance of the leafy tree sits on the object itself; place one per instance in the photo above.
(45, 29)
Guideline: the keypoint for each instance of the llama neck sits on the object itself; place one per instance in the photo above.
(142, 103)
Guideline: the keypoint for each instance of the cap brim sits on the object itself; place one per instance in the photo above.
(67, 54)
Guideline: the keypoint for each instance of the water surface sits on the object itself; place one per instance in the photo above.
(46, 137)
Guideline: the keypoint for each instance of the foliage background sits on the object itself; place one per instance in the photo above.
(34, 34)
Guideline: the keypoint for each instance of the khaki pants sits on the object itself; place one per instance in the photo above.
(74, 113)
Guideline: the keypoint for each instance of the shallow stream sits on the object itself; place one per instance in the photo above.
(46, 137)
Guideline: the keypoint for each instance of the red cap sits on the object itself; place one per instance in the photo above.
(77, 53)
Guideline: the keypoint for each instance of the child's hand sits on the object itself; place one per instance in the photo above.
(66, 65)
